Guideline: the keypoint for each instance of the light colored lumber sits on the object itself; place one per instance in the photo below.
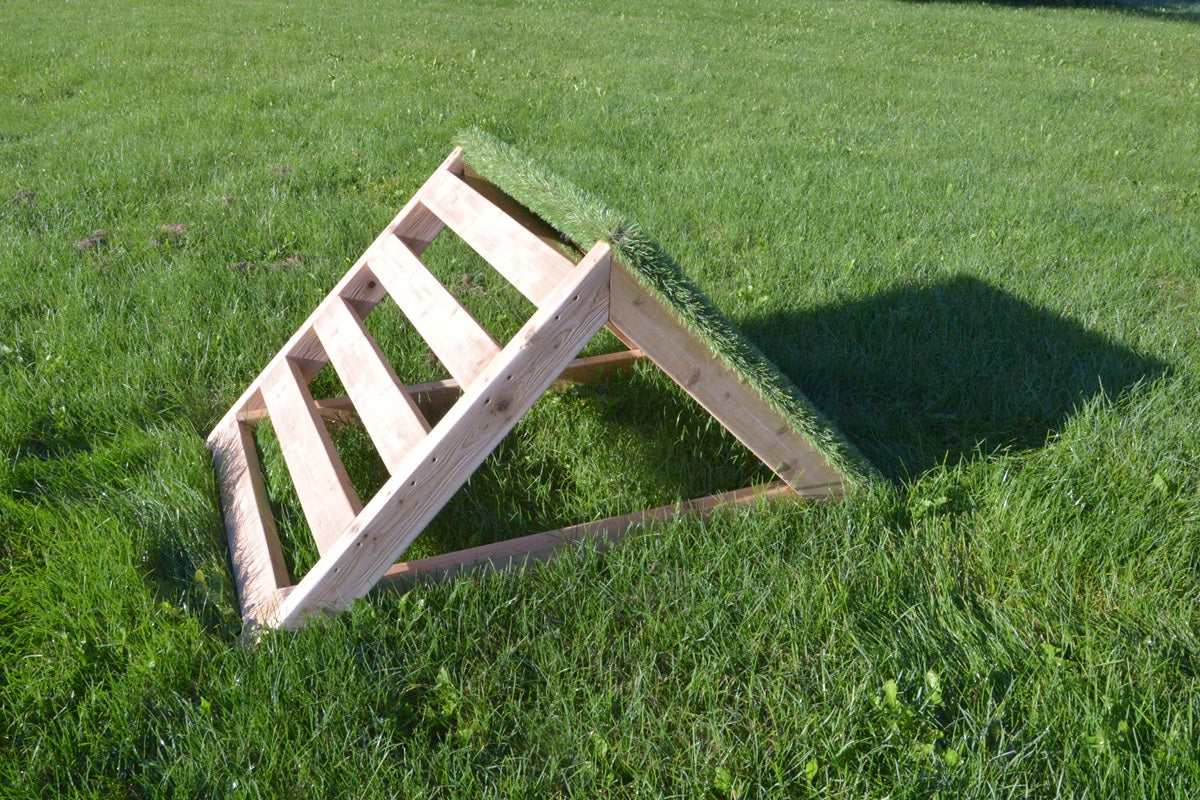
(420, 226)
(544, 546)
(435, 398)
(529, 221)
(329, 500)
(435, 470)
(448, 328)
(691, 363)
(387, 411)
(520, 214)
(532, 266)
(259, 570)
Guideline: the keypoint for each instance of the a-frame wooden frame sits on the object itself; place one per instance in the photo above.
(492, 386)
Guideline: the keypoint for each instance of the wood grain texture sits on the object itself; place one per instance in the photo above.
(386, 409)
(515, 553)
(326, 495)
(259, 570)
(532, 266)
(691, 363)
(449, 329)
(571, 315)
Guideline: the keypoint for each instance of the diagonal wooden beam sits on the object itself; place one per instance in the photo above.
(416, 225)
(528, 263)
(384, 405)
(446, 326)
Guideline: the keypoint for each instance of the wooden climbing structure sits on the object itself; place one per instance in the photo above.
(492, 385)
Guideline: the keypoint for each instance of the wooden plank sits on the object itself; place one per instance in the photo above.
(691, 364)
(569, 318)
(434, 399)
(516, 553)
(449, 329)
(329, 500)
(259, 570)
(386, 409)
(593, 368)
(421, 226)
(527, 262)
(522, 215)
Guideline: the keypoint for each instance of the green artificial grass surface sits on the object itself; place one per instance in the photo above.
(967, 230)
(584, 220)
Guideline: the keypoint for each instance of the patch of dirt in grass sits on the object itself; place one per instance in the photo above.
(246, 267)
(468, 284)
(97, 241)
(281, 169)
(24, 196)
(169, 233)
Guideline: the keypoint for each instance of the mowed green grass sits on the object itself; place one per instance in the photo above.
(971, 233)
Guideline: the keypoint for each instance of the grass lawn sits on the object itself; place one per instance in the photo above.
(969, 232)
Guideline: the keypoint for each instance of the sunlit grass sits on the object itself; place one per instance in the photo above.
(967, 231)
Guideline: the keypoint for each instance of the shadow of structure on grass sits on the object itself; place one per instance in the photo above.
(1185, 10)
(918, 375)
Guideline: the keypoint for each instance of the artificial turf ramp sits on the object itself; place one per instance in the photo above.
(583, 220)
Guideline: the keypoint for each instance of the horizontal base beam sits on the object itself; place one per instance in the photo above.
(538, 547)
(435, 399)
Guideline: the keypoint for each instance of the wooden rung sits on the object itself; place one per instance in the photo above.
(384, 405)
(258, 566)
(329, 500)
(434, 399)
(448, 328)
(525, 261)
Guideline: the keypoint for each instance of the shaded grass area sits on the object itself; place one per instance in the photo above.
(941, 371)
(949, 224)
